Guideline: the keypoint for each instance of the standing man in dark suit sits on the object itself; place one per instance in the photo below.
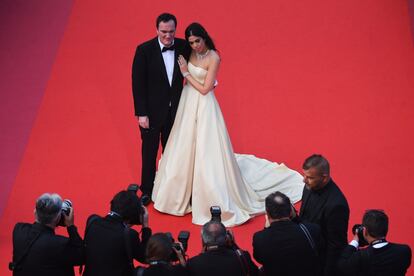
(380, 257)
(323, 203)
(283, 248)
(157, 84)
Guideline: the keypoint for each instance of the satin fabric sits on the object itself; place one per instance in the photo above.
(199, 169)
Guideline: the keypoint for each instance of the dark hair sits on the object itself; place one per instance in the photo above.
(196, 29)
(278, 205)
(165, 17)
(127, 205)
(317, 161)
(214, 233)
(376, 223)
(159, 248)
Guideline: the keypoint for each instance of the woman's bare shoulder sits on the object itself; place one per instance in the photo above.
(214, 55)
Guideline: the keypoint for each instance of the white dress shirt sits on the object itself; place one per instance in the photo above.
(168, 57)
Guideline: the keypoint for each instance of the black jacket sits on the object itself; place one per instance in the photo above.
(283, 249)
(50, 254)
(329, 209)
(220, 262)
(105, 246)
(164, 270)
(390, 260)
(153, 95)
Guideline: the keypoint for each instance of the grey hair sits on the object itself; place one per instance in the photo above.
(213, 233)
(48, 208)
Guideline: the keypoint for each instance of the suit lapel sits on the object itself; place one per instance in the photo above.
(176, 70)
(305, 197)
(160, 60)
(316, 213)
(322, 200)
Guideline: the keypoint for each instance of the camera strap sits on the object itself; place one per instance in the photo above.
(378, 242)
(309, 238)
(36, 234)
(243, 262)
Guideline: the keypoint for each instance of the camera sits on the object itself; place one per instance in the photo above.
(66, 206)
(358, 229)
(215, 213)
(183, 237)
(137, 220)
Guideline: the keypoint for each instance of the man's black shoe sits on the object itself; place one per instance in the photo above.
(145, 199)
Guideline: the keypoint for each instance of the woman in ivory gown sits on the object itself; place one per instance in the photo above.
(198, 168)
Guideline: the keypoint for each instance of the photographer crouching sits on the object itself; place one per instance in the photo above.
(110, 242)
(162, 252)
(220, 255)
(37, 250)
(380, 257)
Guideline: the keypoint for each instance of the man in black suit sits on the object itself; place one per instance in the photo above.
(220, 256)
(37, 250)
(283, 248)
(381, 257)
(157, 84)
(110, 243)
(323, 203)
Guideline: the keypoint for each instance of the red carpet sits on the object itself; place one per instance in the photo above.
(296, 78)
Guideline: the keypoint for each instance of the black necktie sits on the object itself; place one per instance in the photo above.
(171, 48)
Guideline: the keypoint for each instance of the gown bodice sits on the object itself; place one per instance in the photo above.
(199, 169)
(197, 72)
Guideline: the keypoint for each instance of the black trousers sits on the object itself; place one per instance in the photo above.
(150, 143)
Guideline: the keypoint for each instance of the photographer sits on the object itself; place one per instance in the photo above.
(286, 247)
(160, 254)
(380, 257)
(111, 244)
(220, 255)
(37, 250)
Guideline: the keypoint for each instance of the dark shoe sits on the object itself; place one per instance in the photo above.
(145, 199)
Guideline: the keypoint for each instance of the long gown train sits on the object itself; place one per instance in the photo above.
(199, 169)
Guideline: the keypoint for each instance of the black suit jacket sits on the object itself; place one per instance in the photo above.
(283, 249)
(220, 262)
(164, 270)
(390, 260)
(329, 209)
(153, 95)
(50, 254)
(105, 247)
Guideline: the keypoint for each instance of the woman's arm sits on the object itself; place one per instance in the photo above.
(210, 79)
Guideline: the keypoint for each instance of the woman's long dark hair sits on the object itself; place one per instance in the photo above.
(195, 29)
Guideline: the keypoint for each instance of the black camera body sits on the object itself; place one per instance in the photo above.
(358, 229)
(137, 220)
(215, 213)
(183, 237)
(66, 206)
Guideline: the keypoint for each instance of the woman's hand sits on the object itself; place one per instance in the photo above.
(183, 65)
